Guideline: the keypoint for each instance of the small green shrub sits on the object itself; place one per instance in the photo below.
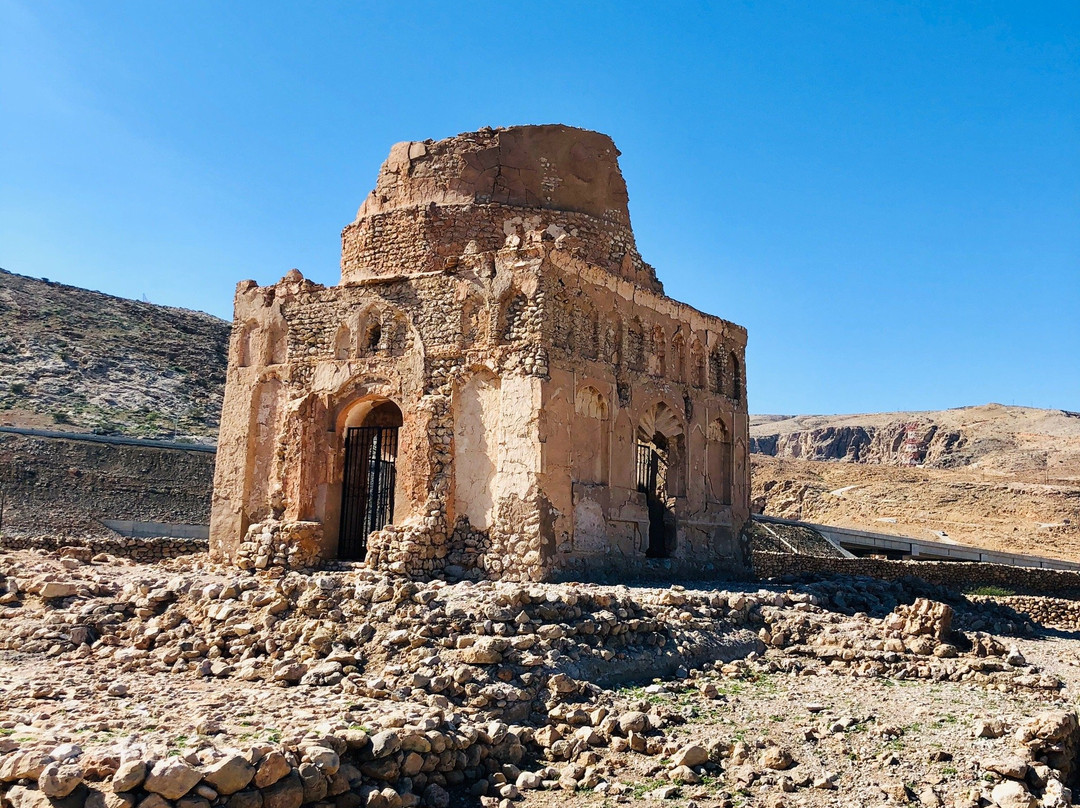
(990, 591)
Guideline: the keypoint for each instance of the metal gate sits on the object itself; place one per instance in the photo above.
(651, 471)
(652, 480)
(367, 496)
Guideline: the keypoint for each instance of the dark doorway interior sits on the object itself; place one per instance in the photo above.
(367, 497)
(652, 468)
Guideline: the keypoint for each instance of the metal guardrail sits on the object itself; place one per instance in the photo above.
(110, 439)
(865, 541)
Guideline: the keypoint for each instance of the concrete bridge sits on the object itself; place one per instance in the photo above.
(854, 542)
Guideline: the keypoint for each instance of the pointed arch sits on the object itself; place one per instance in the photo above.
(591, 445)
(735, 377)
(716, 371)
(345, 340)
(275, 345)
(660, 465)
(720, 461)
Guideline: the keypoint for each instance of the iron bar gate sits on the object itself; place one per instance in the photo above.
(651, 471)
(367, 499)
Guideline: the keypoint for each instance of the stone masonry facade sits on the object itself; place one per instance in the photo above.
(554, 414)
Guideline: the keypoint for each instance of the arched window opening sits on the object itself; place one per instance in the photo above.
(367, 492)
(736, 377)
(716, 372)
(373, 338)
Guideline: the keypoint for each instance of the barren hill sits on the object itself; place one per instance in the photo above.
(991, 437)
(80, 360)
(1007, 478)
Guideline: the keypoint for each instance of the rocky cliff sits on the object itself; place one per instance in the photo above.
(78, 360)
(990, 436)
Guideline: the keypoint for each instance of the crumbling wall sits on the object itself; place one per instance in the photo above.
(480, 317)
(435, 200)
(954, 574)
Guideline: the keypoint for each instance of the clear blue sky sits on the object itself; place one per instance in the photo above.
(887, 195)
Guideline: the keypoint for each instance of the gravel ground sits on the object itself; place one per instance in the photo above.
(852, 739)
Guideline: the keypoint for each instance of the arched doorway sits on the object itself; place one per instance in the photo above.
(367, 491)
(659, 476)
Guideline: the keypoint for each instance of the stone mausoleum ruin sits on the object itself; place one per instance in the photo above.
(497, 388)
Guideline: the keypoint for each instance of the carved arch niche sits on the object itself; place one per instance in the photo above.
(697, 364)
(721, 461)
(346, 338)
(474, 321)
(592, 437)
(678, 358)
(275, 347)
(246, 353)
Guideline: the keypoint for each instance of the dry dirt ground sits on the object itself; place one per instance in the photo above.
(1015, 511)
(843, 692)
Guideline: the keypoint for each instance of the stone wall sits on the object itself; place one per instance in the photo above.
(65, 487)
(86, 547)
(958, 575)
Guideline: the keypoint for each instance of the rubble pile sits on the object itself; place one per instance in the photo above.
(491, 688)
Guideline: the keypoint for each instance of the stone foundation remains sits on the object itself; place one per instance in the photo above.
(498, 388)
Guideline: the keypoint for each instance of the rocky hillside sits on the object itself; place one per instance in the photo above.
(79, 360)
(991, 437)
(1005, 478)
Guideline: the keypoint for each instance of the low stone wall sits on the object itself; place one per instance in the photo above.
(135, 548)
(953, 574)
(1059, 613)
(393, 768)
